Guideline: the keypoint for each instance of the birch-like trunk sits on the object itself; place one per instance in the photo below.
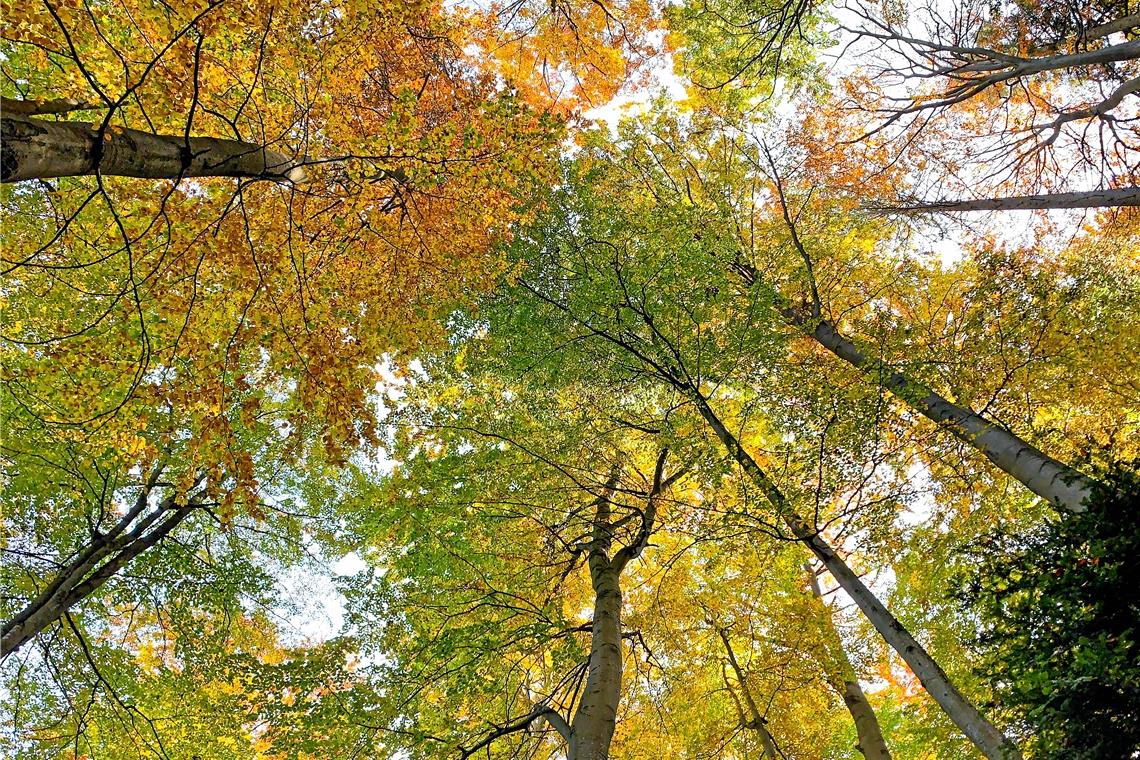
(980, 731)
(39, 149)
(1117, 196)
(846, 682)
(1052, 480)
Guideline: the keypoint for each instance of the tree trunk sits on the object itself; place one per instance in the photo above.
(756, 721)
(1050, 479)
(871, 742)
(75, 583)
(846, 682)
(1124, 51)
(1117, 196)
(1122, 24)
(38, 149)
(980, 731)
(596, 716)
(1109, 54)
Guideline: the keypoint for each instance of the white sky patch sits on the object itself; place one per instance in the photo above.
(662, 80)
(920, 508)
(349, 565)
(317, 608)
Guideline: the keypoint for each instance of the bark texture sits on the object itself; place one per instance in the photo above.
(1124, 51)
(39, 149)
(1052, 480)
(980, 731)
(592, 728)
(1122, 24)
(1117, 196)
(596, 716)
(845, 681)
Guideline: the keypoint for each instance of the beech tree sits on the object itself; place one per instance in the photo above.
(791, 287)
(1037, 96)
(362, 397)
(619, 311)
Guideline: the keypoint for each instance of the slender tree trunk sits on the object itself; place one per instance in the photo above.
(980, 731)
(592, 728)
(1117, 196)
(1045, 476)
(38, 149)
(846, 682)
(596, 717)
(77, 581)
(756, 721)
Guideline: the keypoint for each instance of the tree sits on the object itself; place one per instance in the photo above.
(229, 294)
(611, 306)
(871, 741)
(532, 637)
(1059, 612)
(182, 340)
(1041, 473)
(360, 401)
(1029, 92)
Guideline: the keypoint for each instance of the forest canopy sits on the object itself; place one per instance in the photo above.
(583, 379)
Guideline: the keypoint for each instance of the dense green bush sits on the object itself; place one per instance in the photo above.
(1059, 626)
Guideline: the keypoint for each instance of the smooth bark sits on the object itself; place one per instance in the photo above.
(84, 575)
(755, 720)
(1052, 480)
(594, 722)
(973, 724)
(596, 717)
(1117, 196)
(39, 149)
(1124, 51)
(9, 106)
(845, 681)
(1122, 24)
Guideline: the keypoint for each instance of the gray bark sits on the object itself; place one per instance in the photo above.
(756, 721)
(980, 731)
(1045, 476)
(593, 724)
(1119, 25)
(870, 735)
(596, 717)
(39, 149)
(592, 728)
(1124, 51)
(1117, 196)
(84, 575)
